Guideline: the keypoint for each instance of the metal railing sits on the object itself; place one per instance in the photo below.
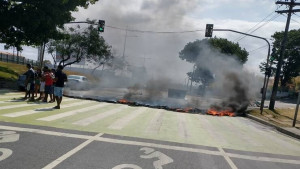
(17, 59)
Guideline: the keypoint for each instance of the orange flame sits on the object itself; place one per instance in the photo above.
(185, 110)
(123, 101)
(220, 113)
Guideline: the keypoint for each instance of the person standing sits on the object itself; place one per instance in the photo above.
(37, 81)
(48, 76)
(60, 79)
(52, 88)
(29, 82)
(42, 86)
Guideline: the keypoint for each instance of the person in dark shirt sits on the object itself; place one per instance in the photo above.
(29, 82)
(60, 79)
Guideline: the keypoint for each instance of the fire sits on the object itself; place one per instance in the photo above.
(123, 101)
(220, 113)
(185, 110)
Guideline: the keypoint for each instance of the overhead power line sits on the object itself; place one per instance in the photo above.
(256, 25)
(291, 19)
(295, 20)
(142, 31)
(297, 15)
(273, 18)
(157, 32)
(258, 48)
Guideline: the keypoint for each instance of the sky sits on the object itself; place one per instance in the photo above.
(155, 50)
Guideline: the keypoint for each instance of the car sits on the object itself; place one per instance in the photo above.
(77, 82)
(21, 82)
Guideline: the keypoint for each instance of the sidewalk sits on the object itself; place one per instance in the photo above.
(290, 131)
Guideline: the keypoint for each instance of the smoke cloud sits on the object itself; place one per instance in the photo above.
(234, 86)
(152, 62)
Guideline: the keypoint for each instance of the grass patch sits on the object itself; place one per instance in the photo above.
(281, 117)
(11, 71)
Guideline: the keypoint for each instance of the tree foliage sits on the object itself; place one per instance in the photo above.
(291, 62)
(77, 45)
(32, 22)
(192, 51)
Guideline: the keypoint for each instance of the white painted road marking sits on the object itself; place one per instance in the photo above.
(16, 106)
(206, 125)
(21, 105)
(14, 93)
(11, 101)
(145, 144)
(72, 112)
(126, 166)
(8, 136)
(155, 124)
(122, 122)
(266, 159)
(92, 119)
(70, 153)
(162, 158)
(5, 153)
(12, 96)
(149, 153)
(229, 161)
(39, 110)
(182, 130)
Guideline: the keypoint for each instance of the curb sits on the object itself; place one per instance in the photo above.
(280, 129)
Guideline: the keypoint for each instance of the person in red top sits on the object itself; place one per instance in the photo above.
(48, 76)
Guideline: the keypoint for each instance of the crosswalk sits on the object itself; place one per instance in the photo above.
(39, 110)
(86, 115)
(122, 122)
(97, 117)
(72, 112)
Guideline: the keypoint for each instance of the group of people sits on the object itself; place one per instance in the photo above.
(47, 82)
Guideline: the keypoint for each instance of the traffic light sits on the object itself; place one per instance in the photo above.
(101, 25)
(209, 30)
(272, 58)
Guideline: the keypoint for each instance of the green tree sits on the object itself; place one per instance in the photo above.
(33, 22)
(77, 45)
(193, 51)
(291, 61)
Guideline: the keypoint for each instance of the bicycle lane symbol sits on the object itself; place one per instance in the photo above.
(149, 153)
(7, 137)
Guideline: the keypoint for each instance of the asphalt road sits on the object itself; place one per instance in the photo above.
(65, 149)
(88, 134)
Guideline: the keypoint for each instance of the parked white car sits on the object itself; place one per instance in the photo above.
(77, 82)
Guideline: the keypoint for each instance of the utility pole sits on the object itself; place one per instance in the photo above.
(289, 12)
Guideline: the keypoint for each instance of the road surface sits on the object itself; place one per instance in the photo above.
(89, 134)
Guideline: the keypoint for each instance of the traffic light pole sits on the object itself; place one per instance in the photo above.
(263, 98)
